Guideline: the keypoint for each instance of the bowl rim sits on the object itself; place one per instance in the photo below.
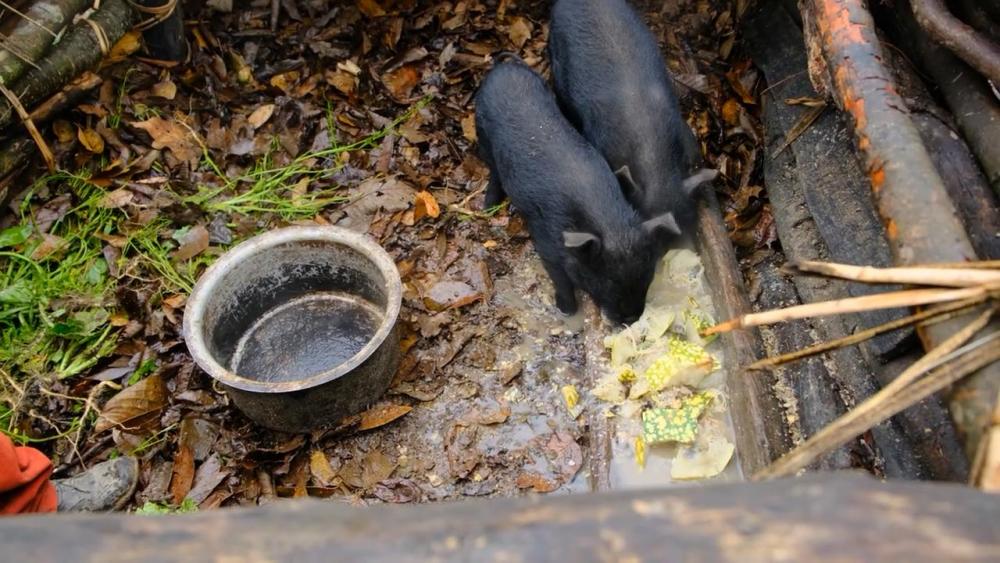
(194, 327)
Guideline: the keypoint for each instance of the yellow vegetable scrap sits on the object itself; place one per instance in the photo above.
(680, 355)
(640, 452)
(679, 424)
(571, 396)
(627, 375)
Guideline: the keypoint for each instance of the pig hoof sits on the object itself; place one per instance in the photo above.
(567, 305)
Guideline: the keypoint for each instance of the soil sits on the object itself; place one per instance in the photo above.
(477, 407)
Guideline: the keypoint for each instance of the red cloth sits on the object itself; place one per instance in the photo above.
(24, 479)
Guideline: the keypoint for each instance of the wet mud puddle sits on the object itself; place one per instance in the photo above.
(663, 387)
(306, 336)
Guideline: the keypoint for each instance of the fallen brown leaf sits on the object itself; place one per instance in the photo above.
(128, 44)
(469, 127)
(519, 31)
(146, 397)
(381, 415)
(165, 89)
(63, 130)
(118, 198)
(170, 134)
(261, 115)
(401, 81)
(183, 476)
(370, 8)
(322, 472)
(91, 140)
(50, 245)
(426, 205)
(193, 243)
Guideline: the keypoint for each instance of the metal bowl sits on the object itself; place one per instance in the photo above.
(298, 325)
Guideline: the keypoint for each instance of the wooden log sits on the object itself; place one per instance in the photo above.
(34, 34)
(814, 402)
(962, 39)
(79, 50)
(758, 418)
(776, 45)
(921, 221)
(839, 517)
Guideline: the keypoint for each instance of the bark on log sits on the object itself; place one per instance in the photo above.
(29, 41)
(823, 517)
(758, 419)
(78, 51)
(923, 227)
(963, 40)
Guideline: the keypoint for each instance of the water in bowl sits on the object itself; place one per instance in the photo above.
(306, 336)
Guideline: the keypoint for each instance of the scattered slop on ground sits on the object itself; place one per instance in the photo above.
(353, 114)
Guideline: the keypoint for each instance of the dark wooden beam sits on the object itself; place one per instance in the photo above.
(823, 517)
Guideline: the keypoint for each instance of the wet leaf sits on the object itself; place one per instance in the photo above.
(13, 236)
(450, 294)
(261, 115)
(209, 475)
(91, 140)
(322, 472)
(398, 491)
(536, 482)
(381, 415)
(183, 474)
(376, 467)
(193, 243)
(343, 81)
(135, 402)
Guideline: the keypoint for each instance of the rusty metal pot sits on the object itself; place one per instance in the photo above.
(298, 325)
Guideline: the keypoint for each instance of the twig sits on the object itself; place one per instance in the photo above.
(977, 265)
(800, 127)
(890, 300)
(949, 277)
(893, 398)
(929, 316)
(43, 147)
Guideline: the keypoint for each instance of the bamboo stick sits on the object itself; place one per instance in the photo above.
(887, 402)
(893, 299)
(950, 277)
(926, 317)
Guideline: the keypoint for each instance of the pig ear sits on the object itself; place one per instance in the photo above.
(698, 178)
(625, 179)
(661, 225)
(581, 241)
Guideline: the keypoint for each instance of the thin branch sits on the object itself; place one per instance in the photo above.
(949, 277)
(924, 318)
(890, 300)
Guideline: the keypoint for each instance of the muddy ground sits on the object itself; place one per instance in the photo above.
(476, 408)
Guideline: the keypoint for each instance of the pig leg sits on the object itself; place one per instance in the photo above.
(565, 294)
(494, 192)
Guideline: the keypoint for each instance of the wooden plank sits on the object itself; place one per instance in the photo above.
(839, 517)
(758, 419)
